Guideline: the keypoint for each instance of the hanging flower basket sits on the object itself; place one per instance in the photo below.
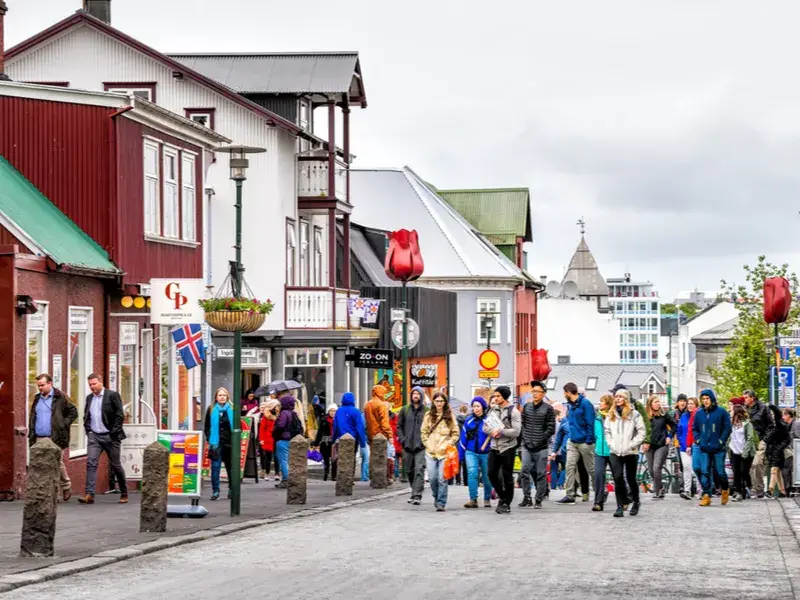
(236, 314)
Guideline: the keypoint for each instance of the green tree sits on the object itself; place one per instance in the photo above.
(689, 309)
(750, 353)
(669, 309)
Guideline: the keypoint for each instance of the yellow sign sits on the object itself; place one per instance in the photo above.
(487, 374)
(489, 359)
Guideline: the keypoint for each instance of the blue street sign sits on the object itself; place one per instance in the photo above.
(787, 392)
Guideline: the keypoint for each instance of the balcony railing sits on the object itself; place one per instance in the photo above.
(312, 178)
(312, 308)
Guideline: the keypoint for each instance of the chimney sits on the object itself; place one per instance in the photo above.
(99, 9)
(3, 11)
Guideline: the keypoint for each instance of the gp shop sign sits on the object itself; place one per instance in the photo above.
(423, 375)
(176, 301)
(371, 358)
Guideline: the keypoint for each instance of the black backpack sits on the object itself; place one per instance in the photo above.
(296, 426)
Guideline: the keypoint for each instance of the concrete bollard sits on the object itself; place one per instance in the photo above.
(347, 465)
(155, 489)
(41, 500)
(297, 491)
(378, 463)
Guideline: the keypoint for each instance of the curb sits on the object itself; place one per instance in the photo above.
(89, 563)
(791, 511)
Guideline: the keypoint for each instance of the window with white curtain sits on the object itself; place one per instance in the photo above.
(171, 210)
(291, 252)
(304, 251)
(188, 198)
(152, 204)
(317, 277)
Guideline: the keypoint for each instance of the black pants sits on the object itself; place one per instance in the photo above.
(741, 472)
(268, 457)
(501, 474)
(601, 463)
(624, 468)
(326, 448)
(583, 479)
(96, 444)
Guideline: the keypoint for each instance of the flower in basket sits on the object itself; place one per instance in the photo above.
(229, 303)
(315, 456)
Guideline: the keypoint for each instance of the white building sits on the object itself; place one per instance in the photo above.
(683, 374)
(573, 331)
(636, 305)
(703, 299)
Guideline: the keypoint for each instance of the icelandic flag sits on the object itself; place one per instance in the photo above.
(189, 342)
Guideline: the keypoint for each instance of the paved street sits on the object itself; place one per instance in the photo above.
(388, 549)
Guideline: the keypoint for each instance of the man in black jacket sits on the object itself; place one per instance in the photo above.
(409, 434)
(51, 416)
(759, 417)
(538, 426)
(102, 419)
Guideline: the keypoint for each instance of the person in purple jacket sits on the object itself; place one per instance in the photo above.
(286, 427)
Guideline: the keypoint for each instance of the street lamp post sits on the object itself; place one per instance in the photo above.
(238, 165)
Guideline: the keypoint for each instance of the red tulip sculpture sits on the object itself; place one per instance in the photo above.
(403, 258)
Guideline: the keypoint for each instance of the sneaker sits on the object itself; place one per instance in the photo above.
(471, 504)
(503, 509)
(123, 499)
(566, 500)
(737, 497)
(526, 502)
(281, 486)
(487, 504)
(597, 508)
(112, 491)
(87, 499)
(725, 495)
(276, 478)
(760, 495)
(625, 506)
(440, 508)
(537, 504)
(685, 496)
(586, 497)
(620, 512)
(214, 496)
(416, 502)
(705, 500)
(662, 494)
(634, 509)
(410, 500)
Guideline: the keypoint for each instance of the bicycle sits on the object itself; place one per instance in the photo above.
(645, 479)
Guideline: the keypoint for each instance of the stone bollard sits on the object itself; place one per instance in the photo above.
(41, 500)
(347, 465)
(155, 488)
(378, 463)
(296, 493)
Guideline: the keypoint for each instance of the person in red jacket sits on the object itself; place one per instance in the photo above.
(269, 412)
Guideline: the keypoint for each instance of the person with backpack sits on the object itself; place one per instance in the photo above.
(742, 448)
(324, 442)
(473, 449)
(662, 430)
(777, 440)
(685, 441)
(558, 452)
(760, 419)
(538, 425)
(287, 426)
(439, 432)
(503, 424)
(409, 434)
(712, 428)
(349, 420)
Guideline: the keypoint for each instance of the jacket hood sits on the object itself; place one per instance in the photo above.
(416, 388)
(480, 400)
(287, 402)
(348, 399)
(710, 393)
(379, 392)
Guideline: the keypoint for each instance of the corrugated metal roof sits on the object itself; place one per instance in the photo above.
(324, 73)
(389, 199)
(720, 334)
(502, 214)
(27, 209)
(607, 376)
(584, 272)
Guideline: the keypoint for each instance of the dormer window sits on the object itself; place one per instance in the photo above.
(140, 90)
(201, 116)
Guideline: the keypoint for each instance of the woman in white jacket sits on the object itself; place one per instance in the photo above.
(625, 432)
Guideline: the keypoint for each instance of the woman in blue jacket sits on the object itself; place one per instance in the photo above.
(558, 458)
(473, 447)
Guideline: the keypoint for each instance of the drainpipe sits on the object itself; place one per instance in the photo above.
(209, 191)
(3, 11)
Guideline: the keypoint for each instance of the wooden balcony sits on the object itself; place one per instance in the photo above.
(312, 308)
(313, 179)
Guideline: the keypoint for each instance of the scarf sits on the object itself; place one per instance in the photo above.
(213, 437)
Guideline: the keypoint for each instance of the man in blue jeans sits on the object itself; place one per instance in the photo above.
(712, 428)
(538, 426)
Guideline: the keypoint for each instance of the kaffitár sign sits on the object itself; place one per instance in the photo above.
(371, 358)
(176, 301)
(423, 375)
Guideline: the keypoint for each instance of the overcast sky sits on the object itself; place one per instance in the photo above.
(672, 127)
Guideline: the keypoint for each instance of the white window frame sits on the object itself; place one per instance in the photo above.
(188, 197)
(318, 266)
(305, 125)
(44, 356)
(303, 255)
(132, 91)
(78, 397)
(154, 219)
(134, 413)
(291, 252)
(493, 305)
(207, 115)
(591, 384)
(171, 226)
(551, 383)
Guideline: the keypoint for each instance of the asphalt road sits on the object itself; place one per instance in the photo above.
(389, 549)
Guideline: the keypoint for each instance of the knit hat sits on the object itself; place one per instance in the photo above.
(482, 401)
(503, 391)
(331, 407)
(739, 401)
(536, 383)
(681, 397)
(617, 388)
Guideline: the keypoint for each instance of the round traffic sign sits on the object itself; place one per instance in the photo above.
(489, 359)
(412, 335)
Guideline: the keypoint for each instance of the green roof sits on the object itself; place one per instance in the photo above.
(31, 216)
(501, 214)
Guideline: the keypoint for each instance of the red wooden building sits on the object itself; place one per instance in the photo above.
(99, 193)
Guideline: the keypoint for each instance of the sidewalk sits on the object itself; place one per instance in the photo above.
(82, 531)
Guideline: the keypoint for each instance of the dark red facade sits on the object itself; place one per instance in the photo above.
(90, 164)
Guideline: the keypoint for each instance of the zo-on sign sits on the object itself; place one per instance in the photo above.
(176, 301)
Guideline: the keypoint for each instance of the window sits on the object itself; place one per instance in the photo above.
(591, 384)
(654, 355)
(304, 115)
(201, 116)
(654, 338)
(651, 387)
(170, 193)
(304, 251)
(563, 359)
(128, 346)
(291, 251)
(551, 383)
(488, 320)
(317, 278)
(140, 90)
(37, 349)
(152, 205)
(188, 198)
(654, 306)
(80, 365)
